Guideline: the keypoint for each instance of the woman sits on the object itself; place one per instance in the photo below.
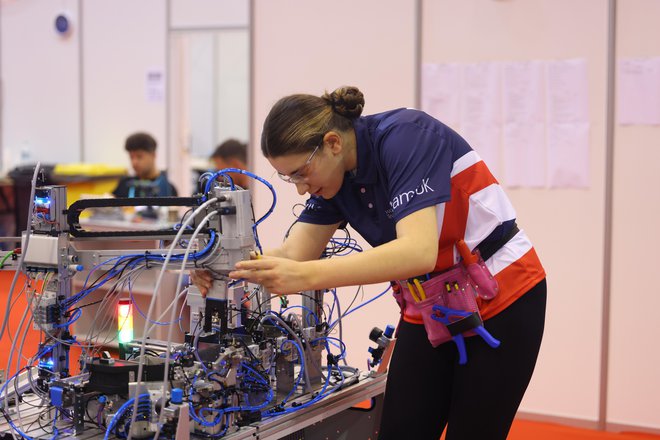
(412, 188)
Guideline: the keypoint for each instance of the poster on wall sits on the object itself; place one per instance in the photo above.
(523, 115)
(638, 91)
(155, 85)
(528, 120)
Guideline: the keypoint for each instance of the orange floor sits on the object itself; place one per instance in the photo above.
(528, 430)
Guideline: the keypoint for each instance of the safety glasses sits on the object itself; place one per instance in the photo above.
(299, 175)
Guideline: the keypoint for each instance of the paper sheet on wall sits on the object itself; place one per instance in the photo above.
(568, 155)
(155, 85)
(566, 92)
(440, 91)
(480, 95)
(522, 92)
(638, 86)
(484, 138)
(524, 154)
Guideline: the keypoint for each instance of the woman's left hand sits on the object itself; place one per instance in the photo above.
(278, 275)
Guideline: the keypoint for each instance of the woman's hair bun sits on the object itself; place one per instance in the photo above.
(347, 101)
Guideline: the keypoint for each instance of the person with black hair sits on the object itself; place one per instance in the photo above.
(426, 202)
(232, 153)
(148, 181)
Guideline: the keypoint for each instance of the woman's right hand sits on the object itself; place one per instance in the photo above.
(202, 279)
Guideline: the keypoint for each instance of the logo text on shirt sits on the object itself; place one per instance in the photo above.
(406, 196)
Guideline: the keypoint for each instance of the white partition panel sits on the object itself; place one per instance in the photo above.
(40, 83)
(634, 382)
(124, 55)
(191, 14)
(307, 46)
(565, 225)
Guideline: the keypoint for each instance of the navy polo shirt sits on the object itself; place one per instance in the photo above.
(405, 158)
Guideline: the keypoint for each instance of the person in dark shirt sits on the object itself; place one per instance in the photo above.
(148, 181)
(232, 154)
(424, 199)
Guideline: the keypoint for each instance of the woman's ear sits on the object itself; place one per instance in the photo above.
(334, 141)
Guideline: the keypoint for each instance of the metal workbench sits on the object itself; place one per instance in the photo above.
(330, 418)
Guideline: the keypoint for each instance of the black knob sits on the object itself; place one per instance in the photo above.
(375, 334)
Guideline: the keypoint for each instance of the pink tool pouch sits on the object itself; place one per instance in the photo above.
(484, 282)
(456, 288)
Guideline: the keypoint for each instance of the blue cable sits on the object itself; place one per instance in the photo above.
(336, 301)
(135, 305)
(135, 260)
(224, 172)
(337, 343)
(11, 423)
(300, 373)
(309, 312)
(322, 394)
(274, 324)
(363, 304)
(119, 412)
(318, 397)
(74, 317)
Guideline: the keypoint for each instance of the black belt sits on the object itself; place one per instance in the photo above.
(489, 248)
(486, 249)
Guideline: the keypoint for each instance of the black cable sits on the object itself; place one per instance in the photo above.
(87, 305)
(37, 420)
(91, 419)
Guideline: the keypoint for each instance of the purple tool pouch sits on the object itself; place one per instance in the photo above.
(452, 289)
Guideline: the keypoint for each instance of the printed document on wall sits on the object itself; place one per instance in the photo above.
(523, 138)
(480, 94)
(566, 92)
(522, 91)
(568, 155)
(440, 91)
(155, 85)
(638, 97)
(524, 154)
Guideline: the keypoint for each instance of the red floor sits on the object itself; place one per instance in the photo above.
(527, 430)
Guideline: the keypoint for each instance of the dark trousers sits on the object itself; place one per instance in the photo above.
(427, 390)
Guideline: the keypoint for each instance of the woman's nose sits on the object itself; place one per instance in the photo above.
(302, 188)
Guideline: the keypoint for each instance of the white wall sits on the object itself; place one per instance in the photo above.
(202, 14)
(122, 41)
(565, 226)
(634, 383)
(40, 83)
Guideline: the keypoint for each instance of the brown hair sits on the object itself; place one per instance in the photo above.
(297, 123)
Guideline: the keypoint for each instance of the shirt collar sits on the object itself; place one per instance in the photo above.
(366, 168)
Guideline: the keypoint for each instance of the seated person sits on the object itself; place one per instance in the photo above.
(232, 154)
(148, 180)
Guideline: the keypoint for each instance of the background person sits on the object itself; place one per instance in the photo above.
(232, 154)
(148, 181)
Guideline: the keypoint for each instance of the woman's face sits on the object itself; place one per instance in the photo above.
(320, 172)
